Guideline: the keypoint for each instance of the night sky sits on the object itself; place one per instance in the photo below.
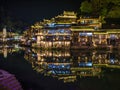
(37, 10)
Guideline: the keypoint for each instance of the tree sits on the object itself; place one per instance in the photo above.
(116, 2)
(103, 12)
(114, 12)
(86, 7)
(104, 8)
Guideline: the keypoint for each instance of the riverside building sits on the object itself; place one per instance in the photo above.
(69, 32)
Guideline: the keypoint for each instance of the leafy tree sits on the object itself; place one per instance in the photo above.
(114, 12)
(103, 12)
(116, 2)
(86, 7)
(104, 8)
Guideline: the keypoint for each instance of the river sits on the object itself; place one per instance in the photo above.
(37, 69)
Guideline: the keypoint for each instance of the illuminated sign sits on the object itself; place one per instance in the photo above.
(57, 25)
(83, 64)
(85, 34)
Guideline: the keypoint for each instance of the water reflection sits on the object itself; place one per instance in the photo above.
(5, 49)
(82, 69)
(68, 65)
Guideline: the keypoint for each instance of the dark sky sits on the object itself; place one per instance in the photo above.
(36, 10)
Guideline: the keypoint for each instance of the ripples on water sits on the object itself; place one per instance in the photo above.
(62, 70)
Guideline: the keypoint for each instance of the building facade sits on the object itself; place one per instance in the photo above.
(68, 32)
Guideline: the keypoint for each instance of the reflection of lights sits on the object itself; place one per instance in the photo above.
(29, 50)
(53, 71)
(62, 66)
(33, 38)
(42, 37)
(43, 54)
(67, 54)
(64, 59)
(52, 66)
(50, 54)
(57, 59)
(39, 63)
(33, 55)
(60, 71)
(5, 53)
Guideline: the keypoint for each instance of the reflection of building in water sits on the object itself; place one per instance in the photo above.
(5, 52)
(68, 65)
(5, 49)
(8, 81)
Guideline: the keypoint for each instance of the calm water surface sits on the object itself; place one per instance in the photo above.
(62, 70)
